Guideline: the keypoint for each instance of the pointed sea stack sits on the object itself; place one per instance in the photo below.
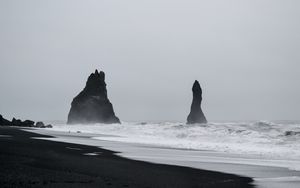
(92, 105)
(196, 115)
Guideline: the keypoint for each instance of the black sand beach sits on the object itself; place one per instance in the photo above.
(27, 162)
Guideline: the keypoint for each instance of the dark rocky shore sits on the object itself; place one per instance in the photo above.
(20, 123)
(28, 162)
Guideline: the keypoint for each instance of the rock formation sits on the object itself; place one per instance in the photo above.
(196, 115)
(27, 123)
(20, 123)
(92, 105)
(40, 124)
(4, 122)
(16, 122)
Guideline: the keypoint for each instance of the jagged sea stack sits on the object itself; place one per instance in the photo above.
(92, 105)
(196, 115)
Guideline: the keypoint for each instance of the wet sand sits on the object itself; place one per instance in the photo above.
(29, 162)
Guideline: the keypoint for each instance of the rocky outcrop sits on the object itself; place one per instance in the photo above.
(40, 124)
(28, 123)
(16, 122)
(92, 104)
(20, 123)
(4, 122)
(196, 115)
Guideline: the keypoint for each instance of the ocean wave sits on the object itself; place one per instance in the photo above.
(263, 138)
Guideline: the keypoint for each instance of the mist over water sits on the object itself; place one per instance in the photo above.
(244, 54)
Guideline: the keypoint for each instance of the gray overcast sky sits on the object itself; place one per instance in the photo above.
(245, 53)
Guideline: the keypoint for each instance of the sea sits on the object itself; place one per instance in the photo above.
(278, 140)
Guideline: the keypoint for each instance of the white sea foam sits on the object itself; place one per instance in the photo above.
(270, 140)
(280, 179)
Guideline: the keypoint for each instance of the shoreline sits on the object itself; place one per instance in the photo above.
(265, 173)
(96, 139)
(31, 162)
